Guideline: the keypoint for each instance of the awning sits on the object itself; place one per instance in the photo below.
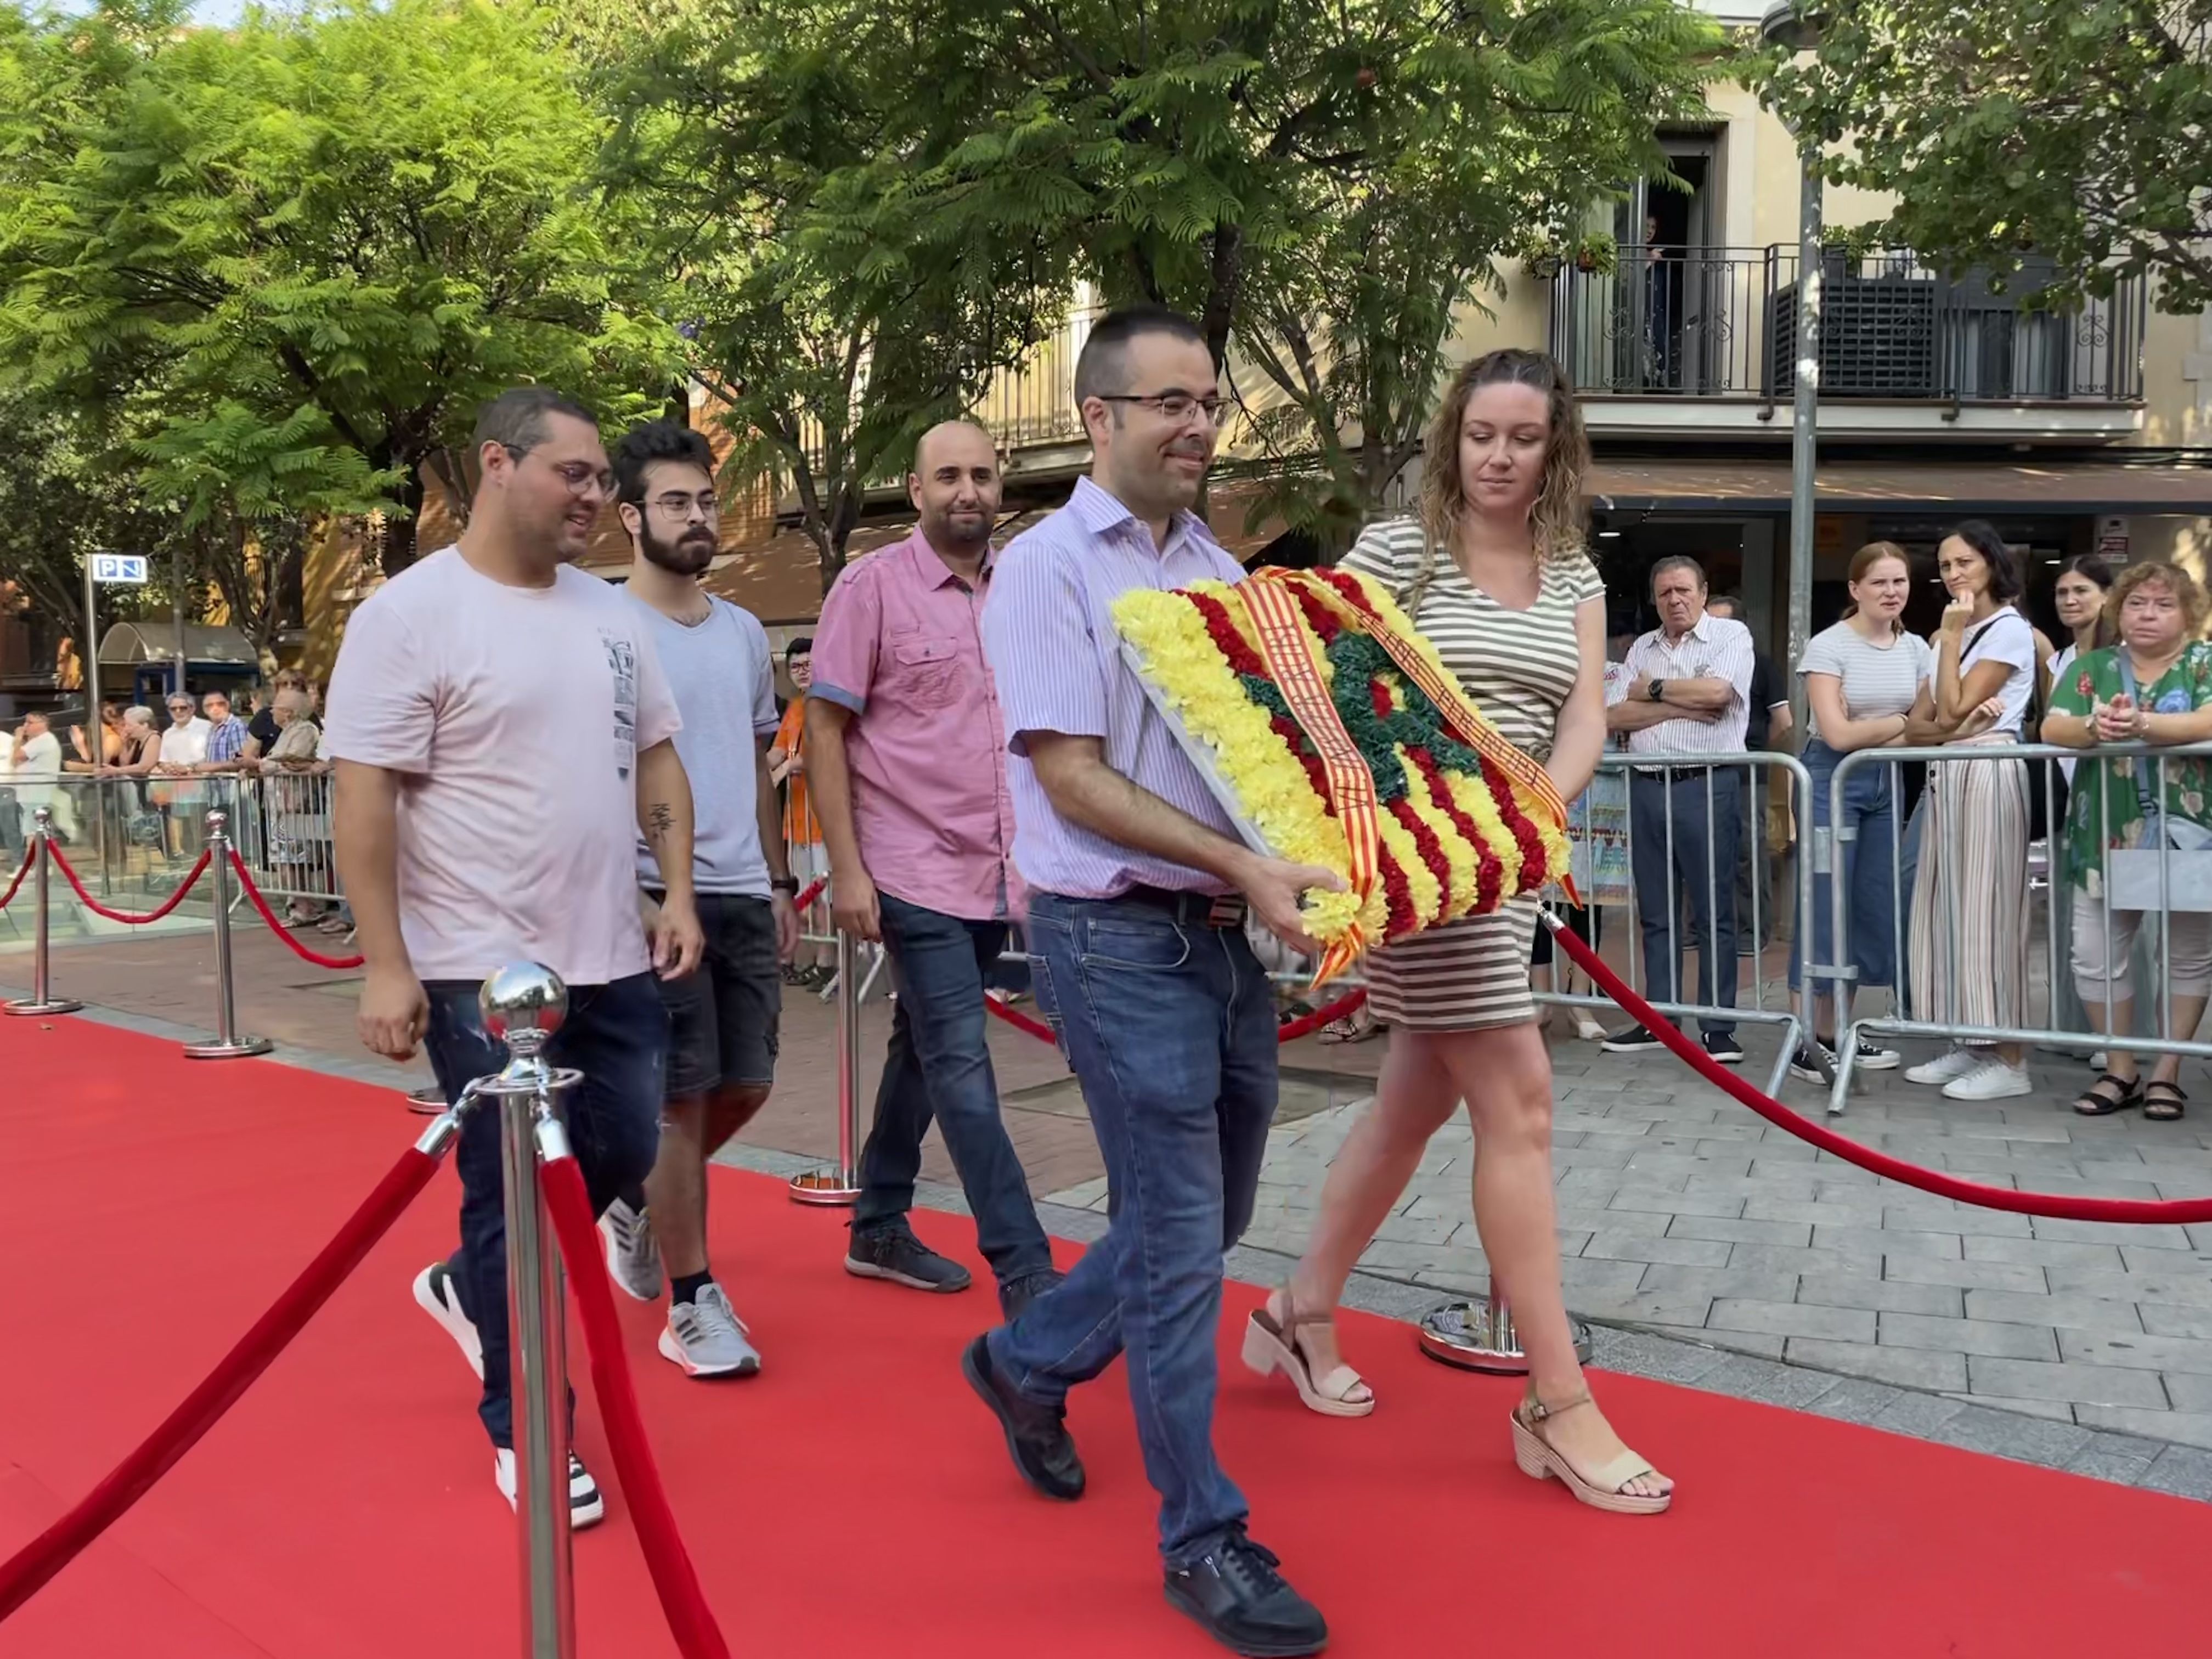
(1995, 487)
(210, 644)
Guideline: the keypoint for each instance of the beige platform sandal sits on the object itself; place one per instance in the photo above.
(1601, 1489)
(1269, 1346)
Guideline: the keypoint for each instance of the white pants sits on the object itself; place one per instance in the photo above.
(2191, 935)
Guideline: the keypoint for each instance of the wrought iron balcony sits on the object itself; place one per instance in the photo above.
(1710, 322)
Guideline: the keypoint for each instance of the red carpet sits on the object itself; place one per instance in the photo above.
(855, 1499)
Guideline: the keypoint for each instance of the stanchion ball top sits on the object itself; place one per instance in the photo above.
(523, 996)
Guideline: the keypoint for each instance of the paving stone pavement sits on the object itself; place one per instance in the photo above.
(1681, 1215)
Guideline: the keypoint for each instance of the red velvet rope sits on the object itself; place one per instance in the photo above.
(1349, 1003)
(123, 916)
(1035, 1028)
(2063, 1207)
(24, 869)
(276, 925)
(812, 893)
(690, 1620)
(24, 1574)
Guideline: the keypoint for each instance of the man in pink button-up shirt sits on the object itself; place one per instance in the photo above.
(905, 751)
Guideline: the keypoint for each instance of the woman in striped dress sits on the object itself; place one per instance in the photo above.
(1495, 574)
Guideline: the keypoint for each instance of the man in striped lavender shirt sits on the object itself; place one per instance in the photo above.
(1141, 962)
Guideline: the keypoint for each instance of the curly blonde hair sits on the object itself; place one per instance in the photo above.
(2187, 593)
(1556, 521)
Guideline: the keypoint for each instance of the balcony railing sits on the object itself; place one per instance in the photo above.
(1721, 323)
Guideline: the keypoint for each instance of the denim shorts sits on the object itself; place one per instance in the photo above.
(722, 1018)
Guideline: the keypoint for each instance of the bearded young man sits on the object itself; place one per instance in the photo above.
(722, 1020)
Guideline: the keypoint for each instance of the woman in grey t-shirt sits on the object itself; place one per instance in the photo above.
(1863, 678)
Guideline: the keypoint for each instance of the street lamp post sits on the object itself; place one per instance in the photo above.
(1799, 30)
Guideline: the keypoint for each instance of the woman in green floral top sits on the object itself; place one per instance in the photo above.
(2153, 687)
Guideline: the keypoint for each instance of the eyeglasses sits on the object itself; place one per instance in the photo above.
(680, 507)
(1176, 406)
(579, 476)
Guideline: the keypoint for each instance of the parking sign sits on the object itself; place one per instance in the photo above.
(119, 567)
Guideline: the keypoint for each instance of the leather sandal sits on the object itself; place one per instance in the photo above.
(1269, 1346)
(1601, 1488)
(2092, 1102)
(2166, 1108)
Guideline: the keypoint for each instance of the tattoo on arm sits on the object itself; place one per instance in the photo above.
(659, 821)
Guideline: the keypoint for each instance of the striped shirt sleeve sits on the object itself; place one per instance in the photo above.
(1043, 659)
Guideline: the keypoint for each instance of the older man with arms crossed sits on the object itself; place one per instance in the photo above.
(502, 732)
(1136, 928)
(1687, 690)
(906, 750)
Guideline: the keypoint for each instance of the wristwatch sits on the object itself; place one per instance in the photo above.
(787, 885)
(1658, 691)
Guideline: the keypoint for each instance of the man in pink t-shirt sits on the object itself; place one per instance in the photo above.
(905, 750)
(502, 731)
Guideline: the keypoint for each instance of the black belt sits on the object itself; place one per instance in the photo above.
(1683, 774)
(1189, 910)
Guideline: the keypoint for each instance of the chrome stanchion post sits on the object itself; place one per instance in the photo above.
(42, 1000)
(842, 1184)
(1477, 1334)
(523, 1006)
(227, 1043)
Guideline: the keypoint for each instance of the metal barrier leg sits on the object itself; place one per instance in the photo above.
(1477, 1334)
(227, 1043)
(841, 1185)
(524, 1005)
(42, 1000)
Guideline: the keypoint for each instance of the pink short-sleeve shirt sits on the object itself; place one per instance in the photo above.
(900, 645)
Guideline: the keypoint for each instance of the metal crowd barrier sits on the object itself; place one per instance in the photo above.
(137, 835)
(2155, 883)
(1602, 825)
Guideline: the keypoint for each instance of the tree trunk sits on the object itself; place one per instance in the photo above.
(399, 526)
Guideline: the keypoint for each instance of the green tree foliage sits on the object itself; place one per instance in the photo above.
(1326, 185)
(833, 308)
(2078, 131)
(300, 252)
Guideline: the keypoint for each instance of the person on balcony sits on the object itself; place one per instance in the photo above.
(909, 780)
(2154, 686)
(1969, 932)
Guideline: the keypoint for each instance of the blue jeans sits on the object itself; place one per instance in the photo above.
(1171, 1026)
(1874, 867)
(938, 1065)
(616, 1035)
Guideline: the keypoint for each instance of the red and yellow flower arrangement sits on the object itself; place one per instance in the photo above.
(1347, 743)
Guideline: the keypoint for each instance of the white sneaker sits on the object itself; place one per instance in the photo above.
(1993, 1081)
(586, 1507)
(1587, 1028)
(706, 1336)
(633, 1257)
(437, 1296)
(1947, 1067)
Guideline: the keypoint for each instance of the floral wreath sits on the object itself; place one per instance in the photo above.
(1345, 743)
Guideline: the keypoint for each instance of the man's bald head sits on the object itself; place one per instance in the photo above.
(955, 488)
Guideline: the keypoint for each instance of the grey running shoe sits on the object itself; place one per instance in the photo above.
(633, 1257)
(706, 1336)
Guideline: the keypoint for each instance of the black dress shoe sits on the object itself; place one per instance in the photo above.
(1036, 1436)
(1235, 1592)
(1015, 1298)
